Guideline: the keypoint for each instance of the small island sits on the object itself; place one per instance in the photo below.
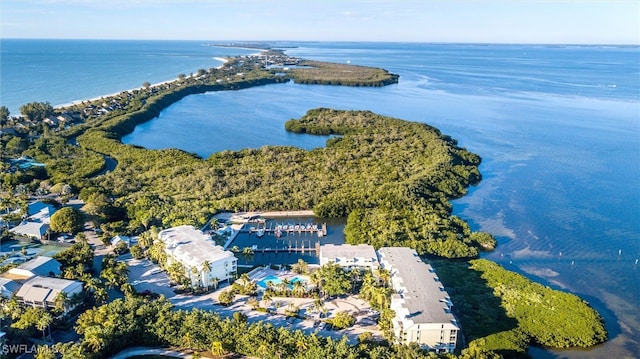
(392, 179)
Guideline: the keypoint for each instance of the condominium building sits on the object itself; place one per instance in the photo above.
(204, 261)
(422, 306)
(362, 256)
(43, 292)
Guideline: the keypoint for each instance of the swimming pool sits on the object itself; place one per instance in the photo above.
(277, 280)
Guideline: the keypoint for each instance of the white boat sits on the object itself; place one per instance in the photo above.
(260, 232)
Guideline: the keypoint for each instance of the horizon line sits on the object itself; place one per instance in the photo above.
(339, 41)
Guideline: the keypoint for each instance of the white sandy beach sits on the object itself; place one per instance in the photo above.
(221, 59)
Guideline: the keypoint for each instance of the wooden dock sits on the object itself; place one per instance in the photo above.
(290, 249)
(321, 231)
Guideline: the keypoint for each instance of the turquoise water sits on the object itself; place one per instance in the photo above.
(263, 283)
(558, 128)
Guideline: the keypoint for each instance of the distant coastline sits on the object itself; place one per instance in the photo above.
(157, 84)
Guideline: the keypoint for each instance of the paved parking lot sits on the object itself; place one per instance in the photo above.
(145, 275)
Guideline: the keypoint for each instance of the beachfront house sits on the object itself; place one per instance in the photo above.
(422, 306)
(347, 256)
(204, 262)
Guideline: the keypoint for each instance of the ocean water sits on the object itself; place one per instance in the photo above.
(64, 71)
(558, 128)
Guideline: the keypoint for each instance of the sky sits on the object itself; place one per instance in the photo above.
(480, 21)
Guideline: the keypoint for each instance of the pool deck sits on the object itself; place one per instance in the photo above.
(260, 274)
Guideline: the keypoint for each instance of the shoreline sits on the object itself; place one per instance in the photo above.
(223, 61)
(244, 216)
(98, 98)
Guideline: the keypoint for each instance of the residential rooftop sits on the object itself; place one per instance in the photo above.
(41, 263)
(347, 254)
(419, 287)
(191, 246)
(45, 289)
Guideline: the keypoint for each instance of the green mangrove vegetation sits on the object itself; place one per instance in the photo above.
(503, 311)
(328, 73)
(392, 178)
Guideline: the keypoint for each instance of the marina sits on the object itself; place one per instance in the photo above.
(278, 237)
(279, 230)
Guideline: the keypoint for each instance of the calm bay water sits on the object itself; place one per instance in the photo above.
(558, 128)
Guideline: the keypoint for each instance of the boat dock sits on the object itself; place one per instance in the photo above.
(290, 249)
(280, 229)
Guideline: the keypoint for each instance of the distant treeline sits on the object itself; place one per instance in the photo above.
(327, 73)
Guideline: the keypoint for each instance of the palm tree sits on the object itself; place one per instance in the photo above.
(145, 240)
(100, 295)
(61, 301)
(244, 277)
(316, 279)
(215, 281)
(298, 289)
(127, 289)
(301, 267)
(383, 275)
(206, 268)
(247, 254)
(13, 309)
(176, 272)
(292, 309)
(282, 287)
(355, 276)
(269, 285)
(267, 297)
(318, 305)
(253, 303)
(217, 349)
(44, 322)
(194, 276)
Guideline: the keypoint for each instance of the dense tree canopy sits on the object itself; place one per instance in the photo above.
(328, 73)
(36, 111)
(392, 178)
(4, 114)
(67, 219)
(504, 311)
